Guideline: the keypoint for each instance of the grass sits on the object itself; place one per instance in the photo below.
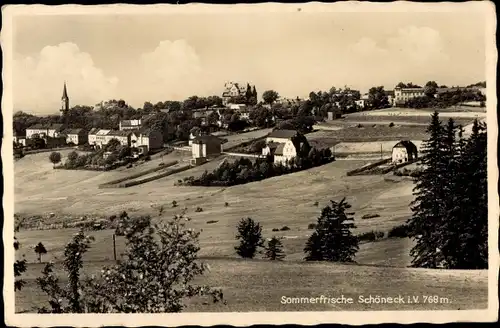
(372, 133)
(246, 286)
(274, 202)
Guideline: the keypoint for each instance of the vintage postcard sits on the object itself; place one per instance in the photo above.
(250, 164)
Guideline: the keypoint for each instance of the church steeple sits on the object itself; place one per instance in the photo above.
(64, 100)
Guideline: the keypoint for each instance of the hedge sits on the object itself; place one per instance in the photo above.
(137, 175)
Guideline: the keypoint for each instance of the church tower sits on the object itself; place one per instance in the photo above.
(64, 101)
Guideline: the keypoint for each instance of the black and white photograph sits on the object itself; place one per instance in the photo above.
(250, 163)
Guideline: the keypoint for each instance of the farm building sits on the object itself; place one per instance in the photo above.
(404, 151)
(205, 146)
(281, 136)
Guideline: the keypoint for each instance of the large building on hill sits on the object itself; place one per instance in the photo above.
(402, 95)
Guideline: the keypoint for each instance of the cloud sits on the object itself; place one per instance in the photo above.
(38, 80)
(412, 54)
(173, 70)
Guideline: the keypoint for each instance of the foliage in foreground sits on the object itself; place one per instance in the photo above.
(333, 239)
(19, 269)
(154, 276)
(450, 211)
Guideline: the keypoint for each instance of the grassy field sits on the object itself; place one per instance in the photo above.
(372, 132)
(236, 139)
(246, 286)
(287, 200)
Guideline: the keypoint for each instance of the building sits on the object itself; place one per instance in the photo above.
(148, 138)
(283, 145)
(123, 136)
(404, 151)
(19, 138)
(44, 130)
(390, 97)
(361, 103)
(64, 101)
(76, 136)
(333, 114)
(280, 136)
(204, 147)
(130, 124)
(92, 136)
(100, 138)
(231, 90)
(402, 95)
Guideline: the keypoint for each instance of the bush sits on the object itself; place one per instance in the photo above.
(174, 203)
(400, 231)
(360, 125)
(371, 235)
(212, 221)
(276, 229)
(285, 228)
(311, 226)
(199, 209)
(250, 237)
(391, 124)
(226, 204)
(316, 203)
(370, 216)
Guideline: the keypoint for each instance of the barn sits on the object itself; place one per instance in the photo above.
(404, 151)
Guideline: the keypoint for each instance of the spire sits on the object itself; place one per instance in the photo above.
(65, 92)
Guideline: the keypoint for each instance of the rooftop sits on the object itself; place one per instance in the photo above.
(282, 134)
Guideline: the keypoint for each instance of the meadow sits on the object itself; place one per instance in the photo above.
(288, 200)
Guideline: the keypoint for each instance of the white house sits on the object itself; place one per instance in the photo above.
(404, 151)
(44, 130)
(147, 138)
(123, 136)
(130, 124)
(100, 138)
(280, 136)
(285, 152)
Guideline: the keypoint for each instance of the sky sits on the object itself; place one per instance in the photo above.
(162, 57)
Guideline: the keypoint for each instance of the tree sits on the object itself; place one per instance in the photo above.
(154, 276)
(274, 250)
(333, 239)
(250, 236)
(19, 268)
(112, 158)
(72, 156)
(431, 196)
(69, 298)
(157, 272)
(377, 97)
(55, 157)
(40, 250)
(401, 85)
(270, 96)
(430, 88)
(112, 145)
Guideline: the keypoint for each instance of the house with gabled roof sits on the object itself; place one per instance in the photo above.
(151, 139)
(76, 136)
(404, 151)
(280, 136)
(44, 130)
(283, 145)
(123, 136)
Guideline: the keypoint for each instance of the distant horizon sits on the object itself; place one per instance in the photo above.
(159, 57)
(56, 112)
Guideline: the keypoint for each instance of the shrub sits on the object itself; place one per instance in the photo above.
(311, 226)
(285, 228)
(391, 124)
(371, 235)
(274, 250)
(174, 203)
(212, 221)
(400, 231)
(316, 204)
(40, 250)
(360, 125)
(370, 216)
(276, 229)
(226, 204)
(333, 240)
(250, 237)
(199, 209)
